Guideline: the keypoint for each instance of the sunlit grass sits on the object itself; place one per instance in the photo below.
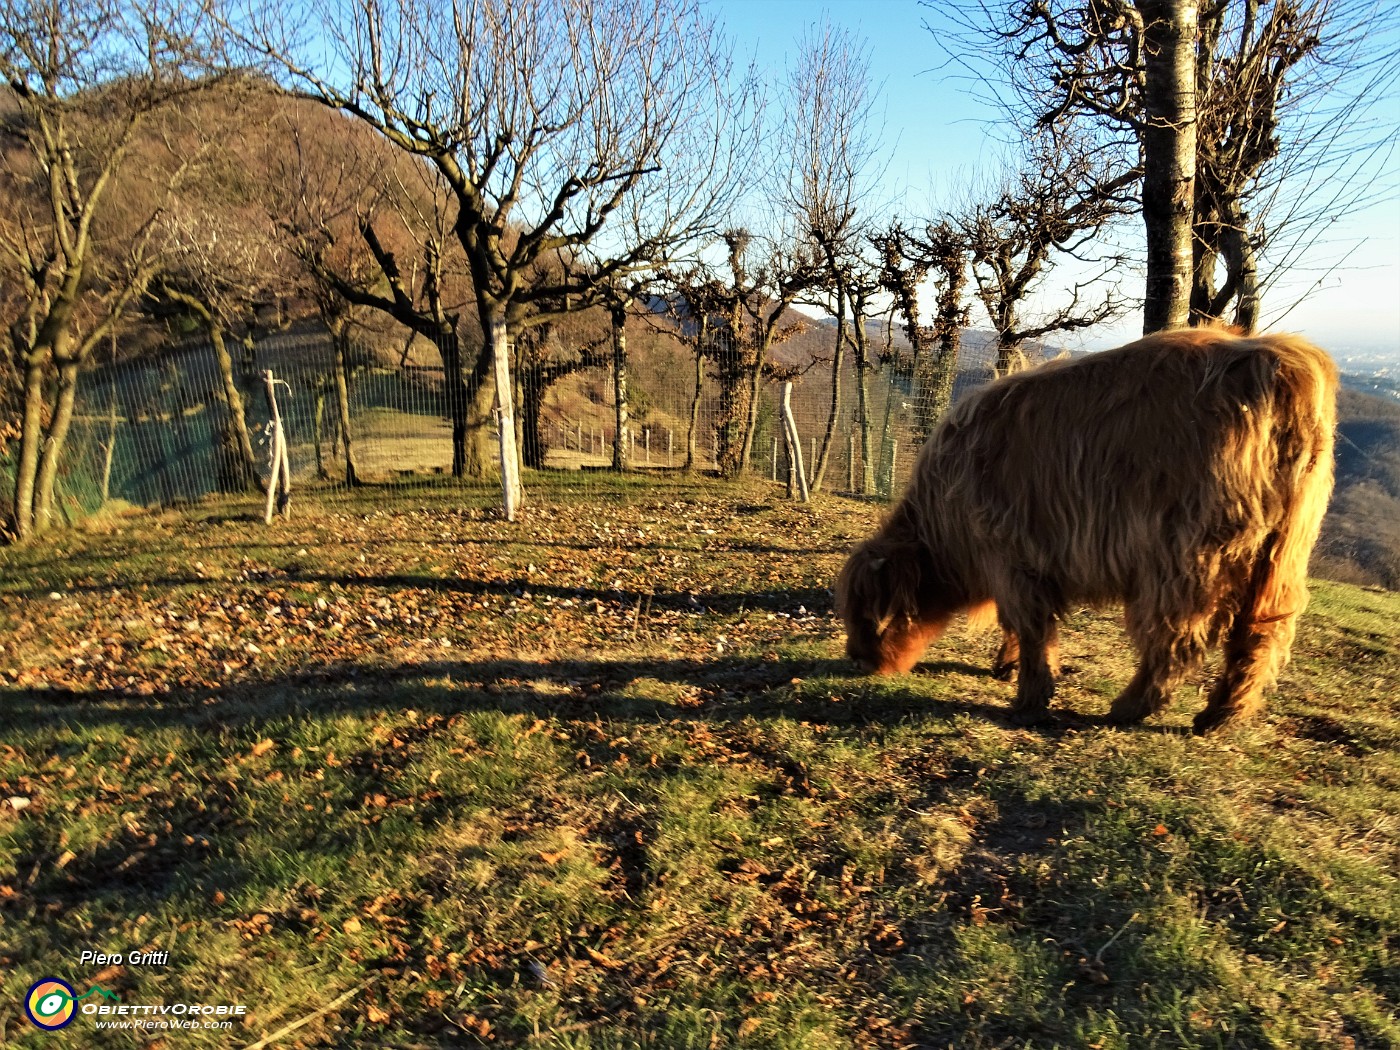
(603, 779)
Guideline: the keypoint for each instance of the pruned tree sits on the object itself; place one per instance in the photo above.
(906, 260)
(761, 294)
(861, 287)
(698, 306)
(601, 130)
(1056, 205)
(85, 79)
(1131, 63)
(1284, 136)
(827, 138)
(1248, 119)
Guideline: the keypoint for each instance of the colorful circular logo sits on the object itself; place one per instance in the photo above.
(50, 1003)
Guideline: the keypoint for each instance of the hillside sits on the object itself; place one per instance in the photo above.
(404, 775)
(1361, 535)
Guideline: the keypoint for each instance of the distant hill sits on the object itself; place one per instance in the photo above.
(1361, 536)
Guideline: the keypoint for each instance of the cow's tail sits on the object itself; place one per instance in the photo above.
(1303, 426)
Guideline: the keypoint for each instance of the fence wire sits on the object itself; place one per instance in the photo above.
(154, 432)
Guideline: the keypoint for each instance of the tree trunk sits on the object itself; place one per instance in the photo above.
(341, 338)
(533, 446)
(794, 446)
(621, 458)
(318, 430)
(867, 464)
(240, 473)
(31, 437)
(733, 407)
(1169, 159)
(1244, 269)
(939, 393)
(886, 479)
(837, 359)
(449, 346)
(754, 391)
(692, 431)
(54, 442)
(110, 448)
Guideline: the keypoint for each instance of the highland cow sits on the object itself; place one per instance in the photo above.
(1185, 475)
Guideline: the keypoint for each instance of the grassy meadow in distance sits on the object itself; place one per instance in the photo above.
(415, 777)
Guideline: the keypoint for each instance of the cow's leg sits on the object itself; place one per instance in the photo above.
(1035, 686)
(1169, 648)
(1009, 655)
(1255, 649)
(1004, 663)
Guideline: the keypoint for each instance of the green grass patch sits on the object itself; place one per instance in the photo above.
(602, 779)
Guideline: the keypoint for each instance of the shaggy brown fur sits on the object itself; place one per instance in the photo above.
(1185, 474)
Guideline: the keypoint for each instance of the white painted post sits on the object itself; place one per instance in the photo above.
(794, 441)
(279, 481)
(503, 352)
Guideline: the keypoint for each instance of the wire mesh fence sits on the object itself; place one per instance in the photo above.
(160, 431)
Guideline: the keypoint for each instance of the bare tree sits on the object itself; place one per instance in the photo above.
(85, 78)
(762, 293)
(602, 130)
(1132, 63)
(1284, 135)
(1057, 204)
(826, 137)
(905, 261)
(220, 254)
(213, 273)
(861, 286)
(698, 304)
(1248, 119)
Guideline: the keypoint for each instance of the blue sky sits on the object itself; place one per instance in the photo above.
(940, 137)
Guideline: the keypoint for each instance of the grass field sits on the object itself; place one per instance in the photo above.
(416, 777)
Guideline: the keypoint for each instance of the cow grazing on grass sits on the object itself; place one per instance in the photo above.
(1185, 474)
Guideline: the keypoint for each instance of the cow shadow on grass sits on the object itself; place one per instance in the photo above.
(721, 689)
